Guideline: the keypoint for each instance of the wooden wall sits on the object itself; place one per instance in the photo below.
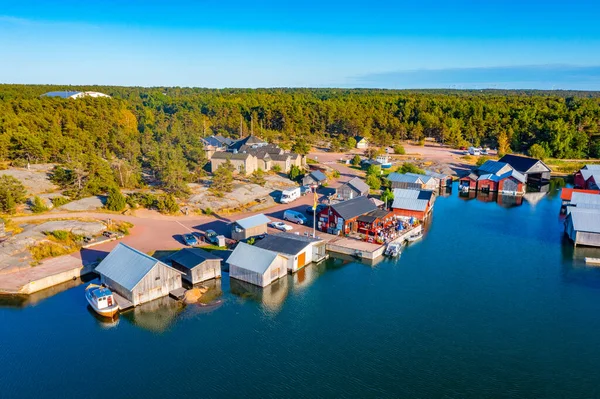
(157, 283)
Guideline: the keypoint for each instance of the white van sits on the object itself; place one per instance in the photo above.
(295, 217)
(290, 195)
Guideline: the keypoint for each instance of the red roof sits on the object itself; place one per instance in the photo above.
(566, 193)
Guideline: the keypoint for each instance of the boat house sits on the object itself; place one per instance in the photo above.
(534, 170)
(256, 265)
(494, 176)
(197, 264)
(588, 177)
(314, 178)
(413, 181)
(353, 188)
(249, 227)
(137, 277)
(582, 226)
(298, 250)
(412, 203)
(341, 218)
(566, 194)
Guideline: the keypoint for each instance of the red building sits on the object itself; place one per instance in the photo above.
(494, 176)
(588, 177)
(412, 203)
(342, 218)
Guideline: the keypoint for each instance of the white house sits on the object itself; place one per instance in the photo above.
(298, 250)
(256, 265)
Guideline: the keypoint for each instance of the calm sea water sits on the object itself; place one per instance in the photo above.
(492, 303)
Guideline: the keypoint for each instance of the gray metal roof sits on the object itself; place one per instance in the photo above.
(493, 167)
(354, 207)
(425, 178)
(412, 194)
(318, 175)
(582, 199)
(192, 257)
(410, 204)
(289, 244)
(404, 178)
(587, 220)
(521, 163)
(592, 167)
(128, 266)
(252, 258)
(253, 221)
(357, 184)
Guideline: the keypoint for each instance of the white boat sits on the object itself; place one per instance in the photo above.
(415, 237)
(393, 249)
(101, 300)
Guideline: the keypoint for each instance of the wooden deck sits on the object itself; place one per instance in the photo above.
(122, 302)
(178, 294)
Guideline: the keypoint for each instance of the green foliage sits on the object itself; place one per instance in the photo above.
(60, 235)
(356, 160)
(208, 211)
(537, 151)
(59, 201)
(295, 173)
(37, 205)
(408, 167)
(12, 193)
(481, 160)
(399, 149)
(373, 153)
(258, 177)
(251, 241)
(351, 142)
(276, 168)
(387, 196)
(115, 201)
(167, 204)
(301, 147)
(223, 178)
(373, 182)
(374, 170)
(335, 174)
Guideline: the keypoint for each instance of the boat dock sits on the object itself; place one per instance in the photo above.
(366, 250)
(178, 294)
(592, 261)
(123, 303)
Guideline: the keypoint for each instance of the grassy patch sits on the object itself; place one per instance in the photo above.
(59, 243)
(311, 161)
(163, 254)
(11, 227)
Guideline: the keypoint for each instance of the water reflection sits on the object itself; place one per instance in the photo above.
(574, 269)
(104, 322)
(155, 316)
(23, 301)
(270, 297)
(505, 201)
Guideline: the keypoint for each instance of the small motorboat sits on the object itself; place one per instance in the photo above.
(415, 237)
(393, 249)
(101, 300)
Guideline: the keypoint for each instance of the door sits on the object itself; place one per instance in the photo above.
(301, 259)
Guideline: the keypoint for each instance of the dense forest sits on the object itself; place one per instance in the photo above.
(104, 143)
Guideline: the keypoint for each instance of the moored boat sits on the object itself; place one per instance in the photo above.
(415, 237)
(393, 250)
(101, 300)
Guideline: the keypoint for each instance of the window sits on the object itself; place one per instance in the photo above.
(157, 278)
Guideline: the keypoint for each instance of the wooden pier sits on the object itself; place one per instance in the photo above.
(178, 294)
(123, 303)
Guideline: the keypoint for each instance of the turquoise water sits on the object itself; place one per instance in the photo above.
(491, 303)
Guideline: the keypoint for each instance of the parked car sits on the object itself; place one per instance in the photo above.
(305, 189)
(211, 236)
(110, 234)
(190, 240)
(311, 211)
(281, 226)
(295, 217)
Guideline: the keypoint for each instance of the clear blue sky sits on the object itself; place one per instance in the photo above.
(215, 43)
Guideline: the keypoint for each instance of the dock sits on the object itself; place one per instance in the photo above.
(592, 261)
(123, 303)
(178, 294)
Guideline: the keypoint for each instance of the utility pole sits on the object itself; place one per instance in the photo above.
(252, 124)
(241, 125)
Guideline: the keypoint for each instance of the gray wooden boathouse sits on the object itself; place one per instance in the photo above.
(197, 265)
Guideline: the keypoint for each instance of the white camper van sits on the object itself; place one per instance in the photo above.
(290, 195)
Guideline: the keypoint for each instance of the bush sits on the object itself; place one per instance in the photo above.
(208, 211)
(387, 196)
(335, 174)
(115, 201)
(399, 149)
(276, 168)
(12, 193)
(373, 182)
(59, 201)
(356, 160)
(295, 173)
(374, 170)
(408, 167)
(481, 161)
(421, 142)
(537, 151)
(258, 177)
(167, 204)
(38, 205)
(60, 235)
(251, 241)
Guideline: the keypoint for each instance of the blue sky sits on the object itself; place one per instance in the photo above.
(213, 43)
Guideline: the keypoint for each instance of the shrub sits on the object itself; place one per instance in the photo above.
(222, 181)
(60, 235)
(208, 211)
(38, 205)
(408, 167)
(373, 182)
(481, 161)
(276, 168)
(537, 151)
(59, 201)
(251, 241)
(295, 173)
(422, 142)
(335, 174)
(123, 227)
(374, 170)
(258, 177)
(387, 196)
(356, 160)
(399, 149)
(115, 201)
(12, 193)
(167, 204)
